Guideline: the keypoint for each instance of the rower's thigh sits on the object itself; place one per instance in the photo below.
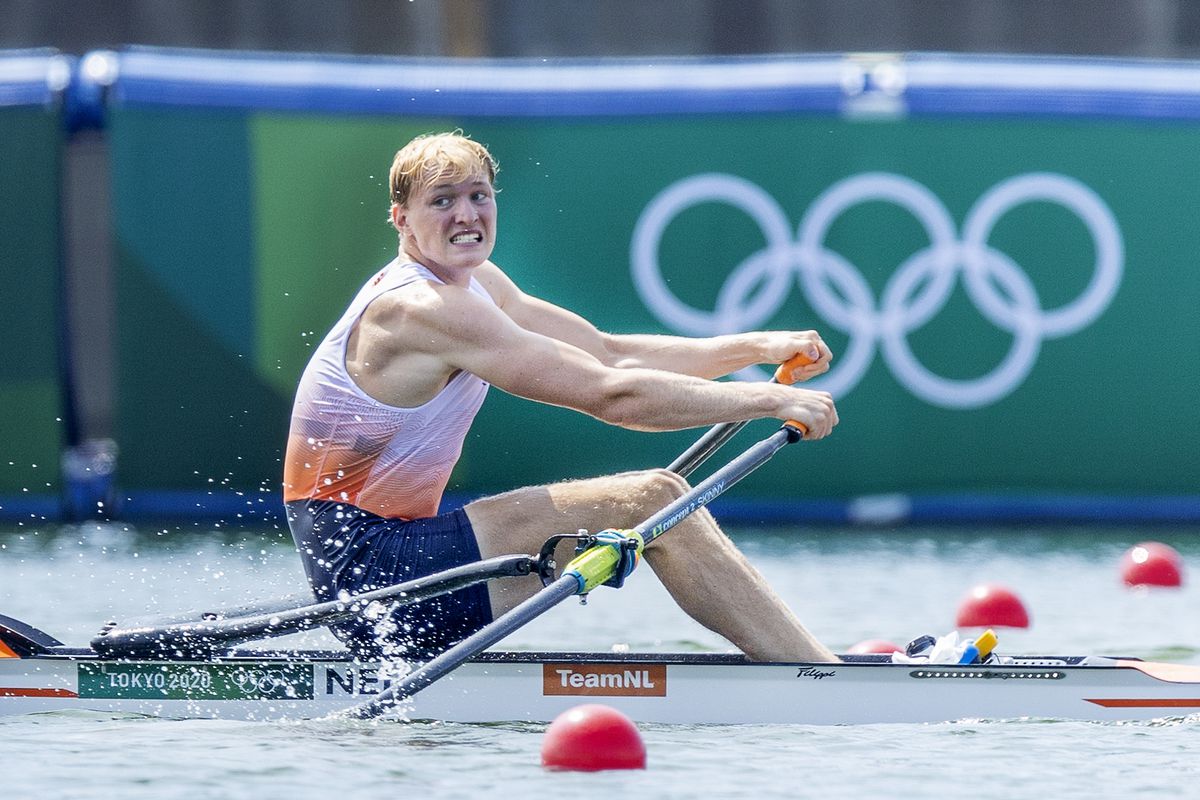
(520, 521)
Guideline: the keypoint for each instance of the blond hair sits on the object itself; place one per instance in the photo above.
(438, 158)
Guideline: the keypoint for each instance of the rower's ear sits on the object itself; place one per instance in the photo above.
(399, 217)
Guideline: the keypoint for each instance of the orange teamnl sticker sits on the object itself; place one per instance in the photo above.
(604, 680)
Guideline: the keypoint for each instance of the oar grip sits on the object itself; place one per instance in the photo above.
(783, 373)
(799, 426)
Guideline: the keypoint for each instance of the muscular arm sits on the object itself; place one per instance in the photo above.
(710, 357)
(425, 333)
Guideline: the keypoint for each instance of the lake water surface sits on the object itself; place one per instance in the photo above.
(847, 585)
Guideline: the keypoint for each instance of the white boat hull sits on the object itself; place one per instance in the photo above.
(536, 687)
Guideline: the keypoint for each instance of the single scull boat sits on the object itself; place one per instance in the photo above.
(40, 674)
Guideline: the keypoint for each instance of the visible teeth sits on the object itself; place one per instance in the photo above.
(464, 238)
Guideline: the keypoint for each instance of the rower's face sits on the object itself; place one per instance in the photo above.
(449, 225)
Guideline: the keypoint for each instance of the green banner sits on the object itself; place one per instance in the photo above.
(31, 426)
(201, 681)
(1010, 301)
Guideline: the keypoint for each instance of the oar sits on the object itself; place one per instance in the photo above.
(717, 435)
(587, 571)
(200, 638)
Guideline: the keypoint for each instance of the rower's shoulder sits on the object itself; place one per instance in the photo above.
(429, 306)
(407, 301)
(496, 282)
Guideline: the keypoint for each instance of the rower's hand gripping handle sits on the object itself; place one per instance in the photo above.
(785, 374)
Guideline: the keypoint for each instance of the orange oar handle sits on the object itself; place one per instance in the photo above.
(783, 373)
(800, 426)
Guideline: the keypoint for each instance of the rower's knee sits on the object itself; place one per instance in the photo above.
(666, 485)
(522, 519)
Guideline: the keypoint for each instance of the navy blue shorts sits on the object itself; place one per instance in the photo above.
(346, 549)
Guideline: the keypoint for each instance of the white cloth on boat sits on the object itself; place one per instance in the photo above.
(948, 649)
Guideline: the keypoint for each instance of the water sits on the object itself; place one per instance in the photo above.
(847, 585)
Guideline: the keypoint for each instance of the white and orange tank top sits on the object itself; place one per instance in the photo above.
(346, 446)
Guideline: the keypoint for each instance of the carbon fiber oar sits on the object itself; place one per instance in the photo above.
(201, 637)
(587, 571)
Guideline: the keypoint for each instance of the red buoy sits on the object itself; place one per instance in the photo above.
(875, 646)
(593, 737)
(990, 605)
(1152, 564)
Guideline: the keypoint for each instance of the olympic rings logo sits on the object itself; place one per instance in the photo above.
(756, 289)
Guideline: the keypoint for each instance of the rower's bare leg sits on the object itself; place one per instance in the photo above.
(700, 567)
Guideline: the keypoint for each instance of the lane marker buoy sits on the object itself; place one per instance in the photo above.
(593, 737)
(990, 605)
(1152, 564)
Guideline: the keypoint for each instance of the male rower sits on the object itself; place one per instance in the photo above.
(386, 401)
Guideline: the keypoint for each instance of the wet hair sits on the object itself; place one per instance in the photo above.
(438, 158)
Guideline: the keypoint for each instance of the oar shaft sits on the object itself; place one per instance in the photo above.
(206, 635)
(451, 659)
(705, 446)
(716, 484)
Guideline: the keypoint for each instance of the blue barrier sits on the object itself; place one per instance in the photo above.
(1061, 87)
(33, 77)
(916, 83)
(366, 86)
